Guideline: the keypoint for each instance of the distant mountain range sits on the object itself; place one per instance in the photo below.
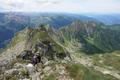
(10, 23)
(109, 19)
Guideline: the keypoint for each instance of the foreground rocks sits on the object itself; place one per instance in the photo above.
(37, 63)
(38, 72)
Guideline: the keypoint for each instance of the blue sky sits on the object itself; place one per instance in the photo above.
(70, 6)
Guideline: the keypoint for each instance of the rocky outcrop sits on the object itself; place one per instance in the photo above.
(32, 55)
(42, 50)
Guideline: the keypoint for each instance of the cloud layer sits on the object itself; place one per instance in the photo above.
(73, 6)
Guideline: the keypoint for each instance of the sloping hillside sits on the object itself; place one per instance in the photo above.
(93, 37)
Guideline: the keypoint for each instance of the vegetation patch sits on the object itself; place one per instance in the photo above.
(50, 77)
(79, 72)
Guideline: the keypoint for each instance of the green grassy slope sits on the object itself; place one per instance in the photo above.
(94, 37)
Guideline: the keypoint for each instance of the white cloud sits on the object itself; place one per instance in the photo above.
(25, 5)
(74, 6)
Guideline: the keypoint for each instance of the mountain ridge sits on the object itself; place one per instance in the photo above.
(92, 34)
(59, 58)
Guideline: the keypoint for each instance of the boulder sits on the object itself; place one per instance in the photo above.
(30, 68)
(12, 72)
(19, 65)
(47, 69)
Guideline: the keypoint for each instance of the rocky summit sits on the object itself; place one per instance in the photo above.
(33, 54)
